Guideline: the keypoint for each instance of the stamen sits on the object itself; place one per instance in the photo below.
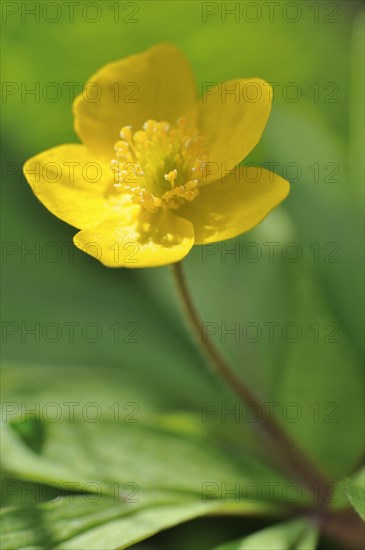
(160, 166)
(126, 133)
(171, 176)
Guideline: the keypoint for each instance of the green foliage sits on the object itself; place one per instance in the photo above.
(101, 525)
(295, 535)
(144, 365)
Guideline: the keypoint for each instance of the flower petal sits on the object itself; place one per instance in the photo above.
(232, 117)
(150, 240)
(71, 184)
(156, 84)
(228, 208)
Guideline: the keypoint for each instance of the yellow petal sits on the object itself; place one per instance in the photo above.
(70, 183)
(232, 117)
(156, 84)
(228, 208)
(151, 240)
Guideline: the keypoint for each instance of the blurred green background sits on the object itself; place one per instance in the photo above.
(313, 53)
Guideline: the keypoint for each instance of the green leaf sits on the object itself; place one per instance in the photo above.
(115, 428)
(129, 462)
(355, 490)
(294, 535)
(150, 456)
(168, 456)
(102, 524)
(17, 492)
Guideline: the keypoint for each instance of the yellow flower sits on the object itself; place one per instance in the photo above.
(155, 174)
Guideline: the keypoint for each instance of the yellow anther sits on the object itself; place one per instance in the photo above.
(171, 176)
(126, 133)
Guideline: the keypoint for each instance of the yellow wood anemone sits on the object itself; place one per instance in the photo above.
(156, 171)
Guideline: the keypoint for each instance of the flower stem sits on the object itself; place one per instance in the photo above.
(345, 525)
(287, 454)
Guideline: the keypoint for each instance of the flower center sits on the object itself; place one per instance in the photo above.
(160, 166)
